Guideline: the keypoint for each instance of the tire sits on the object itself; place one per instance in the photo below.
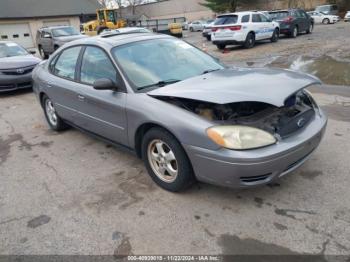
(208, 37)
(55, 47)
(275, 36)
(55, 122)
(326, 21)
(294, 32)
(311, 29)
(249, 41)
(191, 29)
(42, 53)
(221, 46)
(169, 146)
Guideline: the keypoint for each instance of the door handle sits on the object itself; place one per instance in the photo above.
(81, 98)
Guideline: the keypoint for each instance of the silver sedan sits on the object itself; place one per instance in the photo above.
(186, 115)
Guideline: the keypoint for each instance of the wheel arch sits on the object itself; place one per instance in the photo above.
(142, 130)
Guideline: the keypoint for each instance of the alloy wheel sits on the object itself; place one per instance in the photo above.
(162, 161)
(51, 112)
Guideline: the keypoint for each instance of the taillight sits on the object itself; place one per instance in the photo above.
(288, 19)
(232, 28)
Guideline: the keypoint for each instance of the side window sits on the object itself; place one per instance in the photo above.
(66, 63)
(256, 18)
(263, 18)
(96, 65)
(245, 19)
(303, 14)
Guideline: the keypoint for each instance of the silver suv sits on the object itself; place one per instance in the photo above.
(49, 39)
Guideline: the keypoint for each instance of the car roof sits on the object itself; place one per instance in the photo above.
(110, 41)
(238, 13)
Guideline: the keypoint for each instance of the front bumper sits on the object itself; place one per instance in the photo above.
(242, 169)
(15, 82)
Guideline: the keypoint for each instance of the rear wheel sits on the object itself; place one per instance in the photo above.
(191, 29)
(208, 37)
(55, 122)
(166, 160)
(100, 29)
(221, 46)
(275, 36)
(249, 41)
(325, 21)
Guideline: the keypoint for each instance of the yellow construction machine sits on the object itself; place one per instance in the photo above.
(106, 19)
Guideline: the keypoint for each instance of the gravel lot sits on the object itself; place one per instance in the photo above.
(69, 193)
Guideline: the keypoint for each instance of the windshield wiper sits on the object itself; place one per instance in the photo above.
(210, 70)
(160, 83)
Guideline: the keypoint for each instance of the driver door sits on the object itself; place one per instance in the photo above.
(100, 111)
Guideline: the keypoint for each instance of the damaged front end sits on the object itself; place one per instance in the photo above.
(298, 110)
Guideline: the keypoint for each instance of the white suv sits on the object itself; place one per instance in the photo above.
(347, 17)
(243, 28)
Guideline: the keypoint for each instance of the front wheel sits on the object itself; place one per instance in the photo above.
(42, 53)
(311, 28)
(55, 122)
(326, 21)
(208, 37)
(249, 41)
(166, 161)
(275, 36)
(295, 32)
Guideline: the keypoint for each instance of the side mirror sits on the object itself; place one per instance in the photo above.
(47, 36)
(104, 84)
(32, 52)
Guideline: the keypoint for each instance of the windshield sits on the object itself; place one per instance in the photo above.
(226, 20)
(158, 62)
(64, 31)
(11, 49)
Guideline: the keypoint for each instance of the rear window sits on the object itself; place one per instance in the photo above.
(278, 15)
(226, 20)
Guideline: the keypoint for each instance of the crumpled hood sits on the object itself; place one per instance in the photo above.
(271, 86)
(67, 39)
(18, 62)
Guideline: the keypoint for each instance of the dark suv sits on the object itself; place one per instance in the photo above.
(49, 39)
(293, 21)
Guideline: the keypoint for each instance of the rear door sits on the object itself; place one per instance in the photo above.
(61, 83)
(267, 27)
(258, 27)
(101, 111)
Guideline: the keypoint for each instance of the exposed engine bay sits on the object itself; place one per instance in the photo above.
(298, 110)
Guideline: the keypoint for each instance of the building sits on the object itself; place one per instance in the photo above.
(20, 19)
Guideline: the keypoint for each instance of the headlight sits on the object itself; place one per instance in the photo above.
(240, 137)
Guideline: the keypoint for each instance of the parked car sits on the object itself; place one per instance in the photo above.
(207, 31)
(320, 18)
(196, 26)
(293, 21)
(125, 30)
(49, 39)
(327, 9)
(185, 25)
(347, 17)
(186, 115)
(243, 28)
(16, 66)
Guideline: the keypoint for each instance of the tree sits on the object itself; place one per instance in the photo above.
(219, 6)
(134, 3)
